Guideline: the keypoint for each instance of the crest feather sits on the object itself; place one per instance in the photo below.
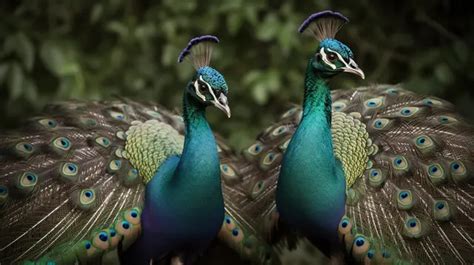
(324, 25)
(199, 50)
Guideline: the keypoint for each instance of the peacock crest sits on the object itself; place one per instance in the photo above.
(323, 25)
(209, 84)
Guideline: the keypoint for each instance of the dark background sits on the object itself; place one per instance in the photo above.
(56, 50)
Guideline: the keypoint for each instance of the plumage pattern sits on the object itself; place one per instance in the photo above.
(240, 233)
(68, 187)
(411, 192)
(414, 200)
(146, 157)
(351, 144)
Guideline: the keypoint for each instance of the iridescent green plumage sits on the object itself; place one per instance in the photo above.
(351, 140)
(146, 157)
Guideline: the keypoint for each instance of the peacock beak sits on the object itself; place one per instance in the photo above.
(356, 71)
(353, 69)
(222, 104)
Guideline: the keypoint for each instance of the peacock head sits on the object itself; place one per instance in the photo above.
(332, 56)
(208, 86)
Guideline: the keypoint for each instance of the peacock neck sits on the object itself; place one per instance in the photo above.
(308, 179)
(311, 186)
(193, 178)
(314, 131)
(199, 159)
(194, 115)
(317, 98)
(315, 124)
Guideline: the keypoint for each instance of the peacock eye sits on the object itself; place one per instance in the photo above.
(202, 88)
(331, 56)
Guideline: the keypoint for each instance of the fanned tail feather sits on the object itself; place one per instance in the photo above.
(418, 149)
(67, 191)
(415, 200)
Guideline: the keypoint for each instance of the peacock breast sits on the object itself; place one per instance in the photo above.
(176, 215)
(311, 190)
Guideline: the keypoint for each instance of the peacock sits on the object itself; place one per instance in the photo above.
(372, 175)
(117, 181)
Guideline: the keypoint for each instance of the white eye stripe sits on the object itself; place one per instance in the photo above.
(351, 63)
(200, 95)
(340, 58)
(198, 91)
(325, 59)
(209, 89)
(338, 55)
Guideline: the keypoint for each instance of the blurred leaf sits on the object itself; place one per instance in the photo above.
(234, 21)
(145, 31)
(53, 57)
(31, 92)
(15, 81)
(286, 36)
(443, 73)
(461, 50)
(58, 60)
(9, 46)
(402, 40)
(20, 45)
(259, 93)
(93, 50)
(250, 12)
(251, 77)
(263, 84)
(3, 72)
(70, 68)
(169, 28)
(25, 50)
(169, 55)
(71, 86)
(180, 6)
(96, 13)
(118, 28)
(269, 28)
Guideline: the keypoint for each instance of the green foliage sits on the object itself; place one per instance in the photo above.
(57, 50)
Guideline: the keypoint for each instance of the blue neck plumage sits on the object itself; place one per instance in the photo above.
(307, 177)
(316, 117)
(317, 98)
(195, 176)
(197, 173)
(200, 149)
(311, 187)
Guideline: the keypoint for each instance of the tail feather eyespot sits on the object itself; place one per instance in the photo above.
(27, 181)
(405, 199)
